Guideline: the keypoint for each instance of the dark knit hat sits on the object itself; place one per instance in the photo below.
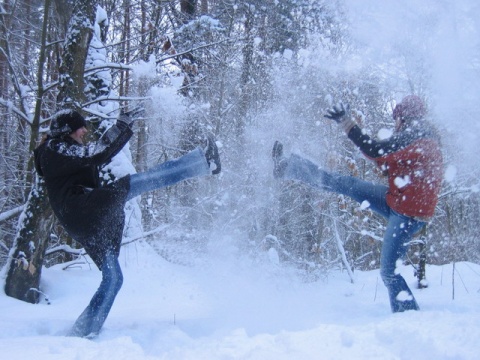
(411, 108)
(66, 123)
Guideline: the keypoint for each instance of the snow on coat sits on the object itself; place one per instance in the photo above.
(91, 214)
(412, 160)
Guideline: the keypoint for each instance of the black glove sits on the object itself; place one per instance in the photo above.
(124, 122)
(126, 119)
(336, 114)
(135, 112)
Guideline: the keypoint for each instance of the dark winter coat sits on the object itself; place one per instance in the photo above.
(413, 161)
(91, 214)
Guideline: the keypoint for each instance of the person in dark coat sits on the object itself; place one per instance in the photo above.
(412, 160)
(92, 214)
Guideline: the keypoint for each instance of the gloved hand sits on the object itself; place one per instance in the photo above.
(336, 114)
(135, 112)
(126, 119)
(339, 115)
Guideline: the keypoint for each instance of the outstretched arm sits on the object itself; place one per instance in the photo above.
(374, 148)
(369, 146)
(73, 156)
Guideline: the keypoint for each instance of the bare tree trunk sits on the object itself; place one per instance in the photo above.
(26, 260)
(124, 53)
(28, 251)
(27, 255)
(142, 89)
(75, 50)
(343, 255)
(188, 9)
(245, 78)
(204, 6)
(4, 81)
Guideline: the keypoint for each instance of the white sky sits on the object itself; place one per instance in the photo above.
(446, 35)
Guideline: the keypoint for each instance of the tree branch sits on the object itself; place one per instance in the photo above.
(66, 249)
(144, 234)
(10, 106)
(11, 213)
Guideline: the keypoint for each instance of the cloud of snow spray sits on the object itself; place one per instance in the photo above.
(439, 37)
(445, 36)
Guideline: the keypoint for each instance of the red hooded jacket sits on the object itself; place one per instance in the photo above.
(413, 161)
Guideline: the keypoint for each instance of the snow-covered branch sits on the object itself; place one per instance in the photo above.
(108, 66)
(11, 107)
(11, 213)
(110, 98)
(193, 50)
(341, 250)
(144, 234)
(65, 248)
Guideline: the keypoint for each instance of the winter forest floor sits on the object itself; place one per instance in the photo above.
(226, 306)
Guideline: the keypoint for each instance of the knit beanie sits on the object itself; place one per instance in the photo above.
(66, 123)
(411, 108)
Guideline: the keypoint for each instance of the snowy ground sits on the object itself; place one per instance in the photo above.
(227, 307)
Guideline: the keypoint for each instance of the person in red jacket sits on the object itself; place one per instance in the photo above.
(92, 213)
(412, 160)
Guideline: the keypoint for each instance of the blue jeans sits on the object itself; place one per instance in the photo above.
(92, 318)
(398, 234)
(190, 165)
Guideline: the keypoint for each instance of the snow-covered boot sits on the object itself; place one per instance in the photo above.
(279, 161)
(212, 155)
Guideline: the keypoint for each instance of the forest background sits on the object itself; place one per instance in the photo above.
(249, 72)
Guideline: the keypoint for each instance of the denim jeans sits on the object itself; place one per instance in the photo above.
(92, 318)
(190, 165)
(398, 234)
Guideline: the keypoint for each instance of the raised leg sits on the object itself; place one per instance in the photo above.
(190, 165)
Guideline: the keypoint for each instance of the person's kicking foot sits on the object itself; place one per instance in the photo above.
(212, 156)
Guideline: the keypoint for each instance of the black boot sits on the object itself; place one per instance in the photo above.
(279, 161)
(212, 156)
